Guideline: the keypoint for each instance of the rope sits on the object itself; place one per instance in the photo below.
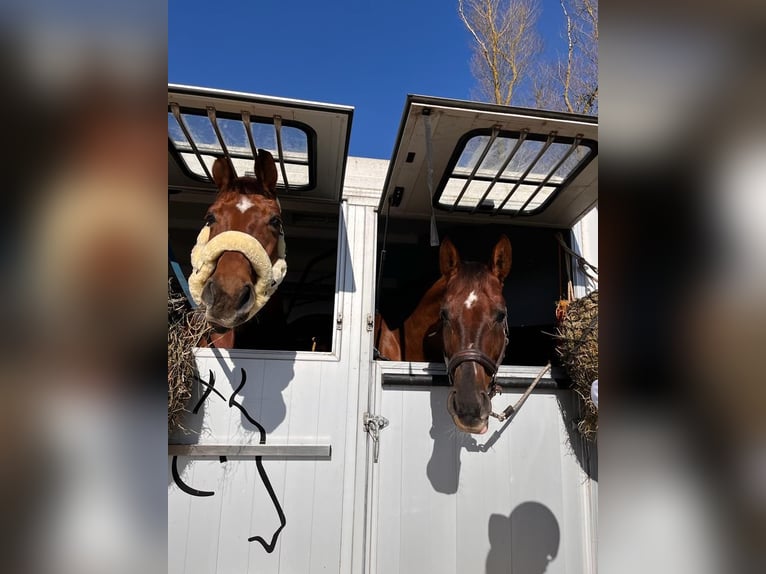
(511, 409)
(270, 545)
(584, 265)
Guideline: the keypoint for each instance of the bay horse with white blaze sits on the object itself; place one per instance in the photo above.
(462, 320)
(239, 259)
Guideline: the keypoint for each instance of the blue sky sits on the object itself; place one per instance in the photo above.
(362, 53)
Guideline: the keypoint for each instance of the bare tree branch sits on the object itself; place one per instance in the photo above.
(506, 44)
(570, 57)
(507, 60)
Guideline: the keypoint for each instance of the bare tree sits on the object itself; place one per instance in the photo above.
(507, 45)
(508, 54)
(578, 74)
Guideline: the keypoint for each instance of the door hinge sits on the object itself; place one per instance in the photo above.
(373, 424)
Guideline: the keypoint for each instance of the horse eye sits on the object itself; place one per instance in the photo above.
(276, 223)
(209, 219)
(500, 317)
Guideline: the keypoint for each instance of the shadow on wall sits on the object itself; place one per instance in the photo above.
(258, 391)
(585, 452)
(526, 541)
(443, 469)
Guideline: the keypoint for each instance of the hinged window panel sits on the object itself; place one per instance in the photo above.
(511, 172)
(297, 146)
(204, 124)
(462, 160)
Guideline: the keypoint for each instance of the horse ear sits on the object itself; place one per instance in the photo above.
(449, 258)
(223, 172)
(501, 258)
(266, 170)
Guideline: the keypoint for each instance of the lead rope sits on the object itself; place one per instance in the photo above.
(510, 409)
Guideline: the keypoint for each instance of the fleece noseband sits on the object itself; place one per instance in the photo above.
(205, 254)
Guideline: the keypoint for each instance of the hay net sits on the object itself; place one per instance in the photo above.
(186, 327)
(206, 252)
(577, 348)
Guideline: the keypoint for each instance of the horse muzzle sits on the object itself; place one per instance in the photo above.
(471, 422)
(224, 308)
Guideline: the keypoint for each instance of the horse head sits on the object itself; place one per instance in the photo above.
(474, 331)
(239, 258)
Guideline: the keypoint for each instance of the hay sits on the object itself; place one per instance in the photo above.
(186, 327)
(577, 348)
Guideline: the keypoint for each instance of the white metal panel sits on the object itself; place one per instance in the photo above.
(299, 398)
(219, 525)
(446, 506)
(585, 242)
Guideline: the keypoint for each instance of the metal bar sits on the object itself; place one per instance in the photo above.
(278, 128)
(485, 151)
(249, 130)
(214, 121)
(407, 380)
(235, 155)
(249, 450)
(548, 142)
(176, 110)
(433, 239)
(522, 137)
(555, 168)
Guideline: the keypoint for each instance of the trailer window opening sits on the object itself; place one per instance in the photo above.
(297, 145)
(510, 172)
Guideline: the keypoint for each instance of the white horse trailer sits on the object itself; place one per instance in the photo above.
(318, 456)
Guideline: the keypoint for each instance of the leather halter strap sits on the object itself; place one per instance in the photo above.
(471, 355)
(476, 356)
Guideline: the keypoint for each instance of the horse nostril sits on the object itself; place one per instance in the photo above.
(209, 293)
(451, 402)
(245, 298)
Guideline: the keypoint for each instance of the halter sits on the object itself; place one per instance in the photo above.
(476, 356)
(206, 252)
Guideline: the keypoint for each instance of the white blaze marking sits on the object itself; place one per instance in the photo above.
(470, 300)
(244, 204)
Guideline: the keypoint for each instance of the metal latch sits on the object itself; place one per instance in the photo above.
(373, 424)
(339, 321)
(370, 322)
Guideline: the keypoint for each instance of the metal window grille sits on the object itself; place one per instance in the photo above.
(516, 173)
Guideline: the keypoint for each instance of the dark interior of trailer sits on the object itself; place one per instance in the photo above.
(531, 290)
(299, 315)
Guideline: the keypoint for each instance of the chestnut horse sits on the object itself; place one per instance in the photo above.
(235, 278)
(462, 320)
